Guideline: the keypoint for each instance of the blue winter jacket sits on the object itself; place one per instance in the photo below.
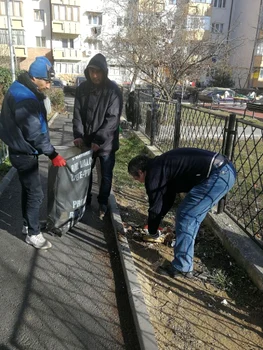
(23, 120)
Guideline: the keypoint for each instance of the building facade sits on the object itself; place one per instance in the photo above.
(70, 32)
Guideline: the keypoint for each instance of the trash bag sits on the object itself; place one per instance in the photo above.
(67, 189)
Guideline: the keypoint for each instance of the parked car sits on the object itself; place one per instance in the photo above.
(217, 95)
(71, 89)
(57, 84)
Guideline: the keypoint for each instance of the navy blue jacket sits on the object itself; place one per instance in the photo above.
(23, 120)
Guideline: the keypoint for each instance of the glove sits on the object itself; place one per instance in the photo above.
(157, 238)
(78, 142)
(58, 161)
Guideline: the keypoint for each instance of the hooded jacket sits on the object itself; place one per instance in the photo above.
(97, 110)
(23, 120)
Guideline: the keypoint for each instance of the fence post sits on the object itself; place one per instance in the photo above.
(153, 122)
(177, 122)
(137, 109)
(227, 151)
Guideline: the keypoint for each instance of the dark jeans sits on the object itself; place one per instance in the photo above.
(106, 168)
(32, 194)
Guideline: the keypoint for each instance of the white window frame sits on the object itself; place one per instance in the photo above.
(217, 28)
(219, 3)
(41, 40)
(38, 15)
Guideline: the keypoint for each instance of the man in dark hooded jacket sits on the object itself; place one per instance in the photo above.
(96, 118)
(23, 127)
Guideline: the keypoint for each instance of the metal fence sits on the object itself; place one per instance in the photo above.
(3, 152)
(171, 125)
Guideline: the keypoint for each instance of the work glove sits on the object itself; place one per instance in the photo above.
(58, 161)
(78, 142)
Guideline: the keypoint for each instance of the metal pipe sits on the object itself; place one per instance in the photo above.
(10, 39)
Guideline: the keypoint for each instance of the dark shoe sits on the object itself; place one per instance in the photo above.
(103, 211)
(169, 270)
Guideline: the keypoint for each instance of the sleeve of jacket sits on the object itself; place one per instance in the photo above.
(160, 197)
(78, 129)
(111, 120)
(34, 127)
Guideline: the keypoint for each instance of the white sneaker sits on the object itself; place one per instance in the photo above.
(38, 241)
(25, 230)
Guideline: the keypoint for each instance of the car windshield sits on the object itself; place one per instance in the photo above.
(79, 80)
(56, 83)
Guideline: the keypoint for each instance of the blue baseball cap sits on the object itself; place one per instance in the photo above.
(41, 68)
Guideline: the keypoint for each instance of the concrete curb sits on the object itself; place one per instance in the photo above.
(141, 318)
(11, 173)
(243, 249)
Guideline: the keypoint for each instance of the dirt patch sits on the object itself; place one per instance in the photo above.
(221, 309)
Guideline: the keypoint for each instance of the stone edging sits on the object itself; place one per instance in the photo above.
(141, 317)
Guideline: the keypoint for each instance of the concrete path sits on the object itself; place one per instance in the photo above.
(71, 297)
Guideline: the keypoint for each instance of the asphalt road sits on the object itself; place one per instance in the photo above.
(72, 296)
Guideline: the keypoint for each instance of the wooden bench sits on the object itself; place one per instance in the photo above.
(253, 107)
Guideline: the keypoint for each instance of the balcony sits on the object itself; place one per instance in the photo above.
(66, 2)
(65, 27)
(20, 51)
(92, 33)
(67, 54)
(17, 23)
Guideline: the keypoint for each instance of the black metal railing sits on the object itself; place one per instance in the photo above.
(170, 124)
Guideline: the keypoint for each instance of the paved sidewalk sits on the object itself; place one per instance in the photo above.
(72, 296)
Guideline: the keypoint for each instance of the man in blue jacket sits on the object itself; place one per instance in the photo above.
(24, 129)
(205, 176)
(96, 118)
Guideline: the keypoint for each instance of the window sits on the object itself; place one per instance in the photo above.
(203, 1)
(94, 45)
(119, 21)
(39, 15)
(95, 19)
(15, 8)
(18, 37)
(172, 2)
(220, 3)
(65, 13)
(261, 73)
(259, 50)
(40, 41)
(198, 22)
(217, 28)
(68, 43)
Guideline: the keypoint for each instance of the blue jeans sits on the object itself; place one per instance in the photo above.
(32, 194)
(107, 163)
(193, 209)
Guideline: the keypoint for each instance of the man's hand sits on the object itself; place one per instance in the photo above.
(95, 147)
(59, 161)
(78, 142)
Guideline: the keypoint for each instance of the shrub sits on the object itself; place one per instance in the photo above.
(57, 99)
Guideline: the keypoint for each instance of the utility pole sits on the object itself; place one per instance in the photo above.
(10, 39)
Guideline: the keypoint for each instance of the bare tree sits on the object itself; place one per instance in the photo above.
(165, 45)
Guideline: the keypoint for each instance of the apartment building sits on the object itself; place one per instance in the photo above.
(70, 32)
(238, 20)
